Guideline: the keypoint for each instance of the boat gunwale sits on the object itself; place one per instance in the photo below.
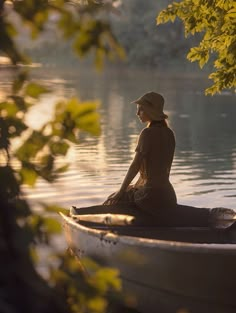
(160, 243)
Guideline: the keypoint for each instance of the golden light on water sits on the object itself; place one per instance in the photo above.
(4, 61)
(98, 164)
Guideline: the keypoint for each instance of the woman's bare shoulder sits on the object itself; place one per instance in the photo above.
(155, 130)
(144, 131)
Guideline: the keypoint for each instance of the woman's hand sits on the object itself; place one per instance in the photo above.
(114, 198)
(132, 172)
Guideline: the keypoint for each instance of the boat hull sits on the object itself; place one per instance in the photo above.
(161, 274)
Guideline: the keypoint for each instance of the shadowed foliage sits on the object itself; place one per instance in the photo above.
(27, 154)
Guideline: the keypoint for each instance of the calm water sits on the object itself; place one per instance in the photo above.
(204, 168)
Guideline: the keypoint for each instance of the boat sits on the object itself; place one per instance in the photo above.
(163, 269)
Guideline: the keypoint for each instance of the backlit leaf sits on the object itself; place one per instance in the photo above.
(54, 208)
(97, 304)
(59, 148)
(52, 225)
(28, 176)
(32, 146)
(19, 82)
(215, 19)
(89, 123)
(35, 90)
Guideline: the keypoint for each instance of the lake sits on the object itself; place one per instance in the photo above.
(204, 167)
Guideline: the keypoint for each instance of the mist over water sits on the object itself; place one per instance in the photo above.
(204, 167)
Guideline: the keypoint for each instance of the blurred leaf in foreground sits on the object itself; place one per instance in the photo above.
(28, 154)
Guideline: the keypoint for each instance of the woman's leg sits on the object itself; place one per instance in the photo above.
(107, 209)
(184, 216)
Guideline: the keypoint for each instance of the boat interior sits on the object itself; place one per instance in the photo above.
(182, 234)
(183, 223)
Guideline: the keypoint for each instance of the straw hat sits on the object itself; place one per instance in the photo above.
(152, 104)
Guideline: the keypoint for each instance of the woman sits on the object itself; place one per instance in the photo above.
(153, 192)
(151, 200)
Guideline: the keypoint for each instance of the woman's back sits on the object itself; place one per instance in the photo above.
(157, 143)
(154, 155)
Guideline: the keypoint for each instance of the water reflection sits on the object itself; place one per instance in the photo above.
(204, 169)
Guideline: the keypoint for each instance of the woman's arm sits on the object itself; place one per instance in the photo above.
(132, 172)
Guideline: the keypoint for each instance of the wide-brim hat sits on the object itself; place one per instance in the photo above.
(152, 104)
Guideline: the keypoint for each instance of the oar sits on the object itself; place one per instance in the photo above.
(222, 218)
(106, 219)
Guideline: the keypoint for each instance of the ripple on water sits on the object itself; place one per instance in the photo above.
(204, 167)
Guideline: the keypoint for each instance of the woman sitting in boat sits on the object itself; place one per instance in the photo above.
(153, 192)
(152, 199)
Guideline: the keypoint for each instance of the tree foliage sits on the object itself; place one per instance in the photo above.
(216, 21)
(27, 154)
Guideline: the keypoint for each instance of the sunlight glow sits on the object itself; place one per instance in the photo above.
(4, 61)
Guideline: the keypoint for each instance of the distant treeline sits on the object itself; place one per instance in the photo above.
(144, 41)
(135, 27)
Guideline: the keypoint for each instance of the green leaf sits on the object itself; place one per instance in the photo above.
(35, 90)
(89, 123)
(80, 109)
(32, 146)
(216, 20)
(28, 176)
(59, 148)
(52, 226)
(106, 278)
(9, 108)
(47, 162)
(40, 18)
(61, 169)
(19, 82)
(97, 304)
(34, 255)
(194, 54)
(68, 24)
(204, 58)
(54, 208)
(11, 30)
